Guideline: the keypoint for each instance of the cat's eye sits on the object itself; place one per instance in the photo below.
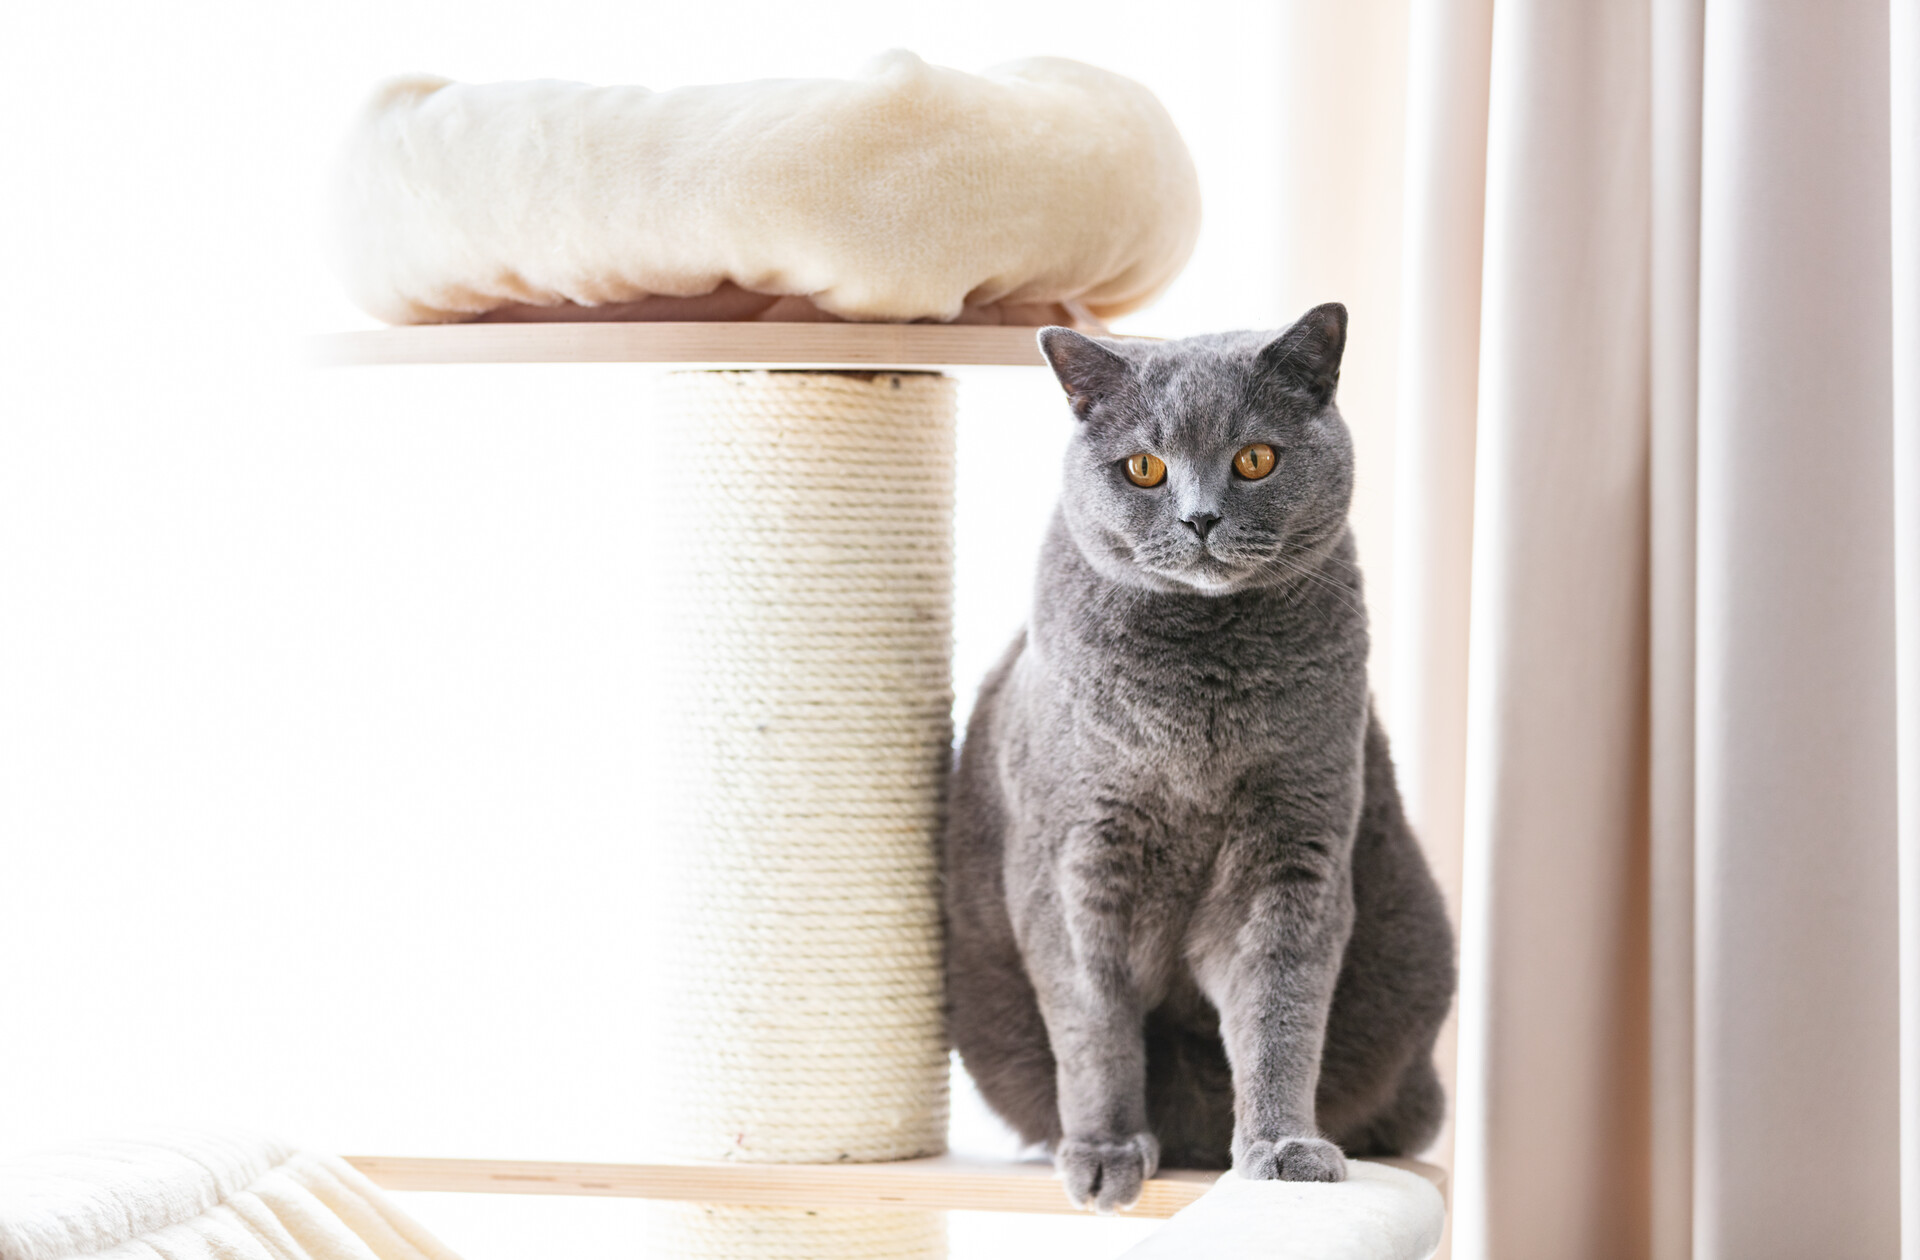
(1146, 470)
(1254, 462)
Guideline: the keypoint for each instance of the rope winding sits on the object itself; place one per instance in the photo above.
(815, 517)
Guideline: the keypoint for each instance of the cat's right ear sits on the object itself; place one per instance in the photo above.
(1087, 370)
(1307, 355)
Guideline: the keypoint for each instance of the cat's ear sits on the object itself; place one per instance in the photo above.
(1088, 371)
(1307, 355)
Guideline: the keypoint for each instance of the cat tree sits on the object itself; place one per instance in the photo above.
(776, 242)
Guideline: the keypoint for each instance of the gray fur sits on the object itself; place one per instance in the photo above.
(1186, 917)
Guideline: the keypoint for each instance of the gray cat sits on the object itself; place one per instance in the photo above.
(1186, 916)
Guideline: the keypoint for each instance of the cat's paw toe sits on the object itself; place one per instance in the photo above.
(1292, 1159)
(1106, 1175)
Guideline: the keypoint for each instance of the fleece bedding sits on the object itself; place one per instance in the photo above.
(912, 192)
(200, 1197)
(1378, 1213)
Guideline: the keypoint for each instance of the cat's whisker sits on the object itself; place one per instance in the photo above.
(1309, 575)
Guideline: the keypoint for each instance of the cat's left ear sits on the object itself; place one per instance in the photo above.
(1088, 371)
(1307, 355)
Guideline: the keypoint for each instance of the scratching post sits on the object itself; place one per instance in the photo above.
(815, 698)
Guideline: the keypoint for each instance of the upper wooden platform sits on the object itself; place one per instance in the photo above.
(708, 344)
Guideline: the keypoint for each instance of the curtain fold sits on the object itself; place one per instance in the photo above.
(1683, 436)
(1444, 201)
(1553, 933)
(1904, 89)
(1796, 1138)
(1675, 60)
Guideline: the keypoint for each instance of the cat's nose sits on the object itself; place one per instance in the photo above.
(1201, 523)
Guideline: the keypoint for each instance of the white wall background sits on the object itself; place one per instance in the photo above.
(325, 697)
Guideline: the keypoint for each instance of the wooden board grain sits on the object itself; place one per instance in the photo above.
(708, 344)
(946, 1182)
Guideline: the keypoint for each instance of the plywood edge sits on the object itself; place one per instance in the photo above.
(946, 1182)
(702, 344)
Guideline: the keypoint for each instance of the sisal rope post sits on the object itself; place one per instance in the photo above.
(815, 699)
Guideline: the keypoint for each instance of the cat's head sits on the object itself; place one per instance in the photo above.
(1213, 464)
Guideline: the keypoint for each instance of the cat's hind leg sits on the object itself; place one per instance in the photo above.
(1408, 1123)
(994, 1022)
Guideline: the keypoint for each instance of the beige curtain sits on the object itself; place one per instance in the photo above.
(1658, 312)
(1904, 85)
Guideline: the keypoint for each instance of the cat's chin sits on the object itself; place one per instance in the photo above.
(1207, 576)
(1212, 578)
(1212, 583)
(1180, 582)
(1210, 574)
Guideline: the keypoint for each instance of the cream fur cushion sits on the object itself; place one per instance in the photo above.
(200, 1197)
(912, 192)
(1378, 1213)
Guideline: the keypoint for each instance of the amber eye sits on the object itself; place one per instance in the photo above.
(1146, 470)
(1254, 462)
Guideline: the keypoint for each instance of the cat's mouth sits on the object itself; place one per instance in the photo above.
(1216, 565)
(1202, 565)
(1204, 569)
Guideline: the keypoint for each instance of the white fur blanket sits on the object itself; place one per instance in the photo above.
(913, 192)
(1378, 1213)
(200, 1197)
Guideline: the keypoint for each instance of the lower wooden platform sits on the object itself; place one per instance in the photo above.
(946, 1182)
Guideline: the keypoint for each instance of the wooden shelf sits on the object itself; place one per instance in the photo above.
(946, 1182)
(710, 344)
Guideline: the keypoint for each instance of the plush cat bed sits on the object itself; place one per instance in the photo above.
(910, 193)
(1378, 1213)
(200, 1197)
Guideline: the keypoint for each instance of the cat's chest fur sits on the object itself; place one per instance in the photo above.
(1190, 702)
(1148, 735)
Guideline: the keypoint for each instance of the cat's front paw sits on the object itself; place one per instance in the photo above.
(1291, 1159)
(1106, 1175)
